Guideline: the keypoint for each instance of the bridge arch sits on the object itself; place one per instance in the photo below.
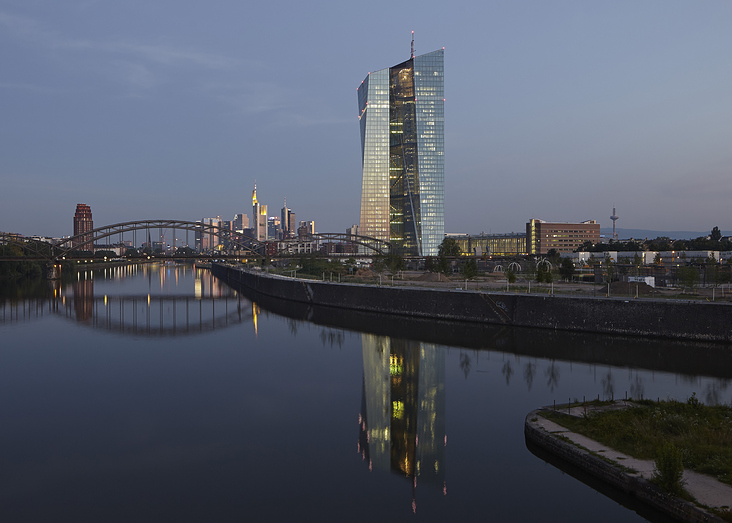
(78, 242)
(366, 245)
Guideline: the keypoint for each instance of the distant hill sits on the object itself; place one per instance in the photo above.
(641, 234)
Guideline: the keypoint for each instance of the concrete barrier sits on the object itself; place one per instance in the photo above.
(646, 317)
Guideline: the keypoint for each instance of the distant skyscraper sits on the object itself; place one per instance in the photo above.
(210, 241)
(240, 222)
(259, 216)
(288, 222)
(306, 228)
(273, 227)
(83, 223)
(401, 112)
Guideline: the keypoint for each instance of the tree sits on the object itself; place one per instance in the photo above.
(662, 243)
(394, 262)
(548, 276)
(540, 273)
(688, 276)
(511, 276)
(566, 269)
(553, 256)
(609, 268)
(444, 265)
(470, 269)
(378, 264)
(637, 262)
(429, 264)
(449, 247)
(716, 234)
(586, 246)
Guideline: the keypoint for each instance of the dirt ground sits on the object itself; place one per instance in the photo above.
(498, 282)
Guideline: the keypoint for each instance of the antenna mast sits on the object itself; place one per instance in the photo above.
(412, 54)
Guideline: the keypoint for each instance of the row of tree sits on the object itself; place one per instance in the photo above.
(713, 242)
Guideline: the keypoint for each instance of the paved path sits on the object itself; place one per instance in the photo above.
(706, 489)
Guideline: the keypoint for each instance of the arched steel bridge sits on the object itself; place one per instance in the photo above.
(235, 245)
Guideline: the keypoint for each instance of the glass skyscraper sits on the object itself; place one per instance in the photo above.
(401, 112)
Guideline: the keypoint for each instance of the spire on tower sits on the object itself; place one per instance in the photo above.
(412, 53)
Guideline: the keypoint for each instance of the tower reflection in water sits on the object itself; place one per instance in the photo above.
(83, 291)
(402, 420)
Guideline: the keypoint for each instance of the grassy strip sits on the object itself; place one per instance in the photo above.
(703, 433)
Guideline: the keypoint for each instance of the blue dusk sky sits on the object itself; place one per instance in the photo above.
(172, 109)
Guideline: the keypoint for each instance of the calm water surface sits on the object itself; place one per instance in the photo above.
(158, 393)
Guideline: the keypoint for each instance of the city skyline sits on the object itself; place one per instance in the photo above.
(553, 111)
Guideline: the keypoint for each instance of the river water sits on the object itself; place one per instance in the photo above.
(156, 392)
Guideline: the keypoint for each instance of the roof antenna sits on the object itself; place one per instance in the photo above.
(412, 44)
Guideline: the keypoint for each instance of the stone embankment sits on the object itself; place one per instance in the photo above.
(655, 318)
(625, 473)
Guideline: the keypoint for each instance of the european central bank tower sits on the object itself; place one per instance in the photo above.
(402, 117)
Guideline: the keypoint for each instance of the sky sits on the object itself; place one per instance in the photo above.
(173, 109)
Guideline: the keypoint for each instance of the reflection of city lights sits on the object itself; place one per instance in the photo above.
(148, 300)
(395, 365)
(255, 310)
(105, 300)
(397, 409)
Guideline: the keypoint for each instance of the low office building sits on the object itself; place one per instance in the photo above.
(543, 236)
(513, 244)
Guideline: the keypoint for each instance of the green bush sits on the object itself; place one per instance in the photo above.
(669, 469)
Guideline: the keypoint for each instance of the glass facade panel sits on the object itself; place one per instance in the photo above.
(430, 109)
(373, 98)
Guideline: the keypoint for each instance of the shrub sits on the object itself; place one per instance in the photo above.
(669, 472)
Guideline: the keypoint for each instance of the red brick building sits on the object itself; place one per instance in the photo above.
(83, 223)
(543, 236)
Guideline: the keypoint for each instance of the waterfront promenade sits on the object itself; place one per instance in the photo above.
(625, 472)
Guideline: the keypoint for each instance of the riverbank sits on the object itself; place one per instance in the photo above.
(702, 321)
(624, 472)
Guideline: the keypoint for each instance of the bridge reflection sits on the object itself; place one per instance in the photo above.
(212, 306)
(146, 315)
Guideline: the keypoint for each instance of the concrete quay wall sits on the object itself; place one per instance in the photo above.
(613, 475)
(655, 318)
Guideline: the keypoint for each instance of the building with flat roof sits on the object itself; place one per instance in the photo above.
(83, 223)
(401, 114)
(543, 236)
(512, 244)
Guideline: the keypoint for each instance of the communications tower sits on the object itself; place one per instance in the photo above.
(614, 218)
